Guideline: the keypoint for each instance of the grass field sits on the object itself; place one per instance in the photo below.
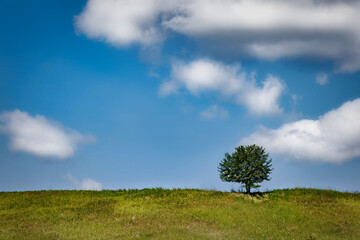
(179, 214)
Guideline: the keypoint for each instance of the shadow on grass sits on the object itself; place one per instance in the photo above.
(257, 194)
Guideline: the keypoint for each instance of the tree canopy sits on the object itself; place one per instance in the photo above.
(248, 165)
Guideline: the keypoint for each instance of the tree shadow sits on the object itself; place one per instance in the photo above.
(257, 194)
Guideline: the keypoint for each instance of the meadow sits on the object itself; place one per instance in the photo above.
(180, 214)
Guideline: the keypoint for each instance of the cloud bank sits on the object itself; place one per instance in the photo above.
(85, 184)
(40, 136)
(264, 29)
(204, 75)
(333, 138)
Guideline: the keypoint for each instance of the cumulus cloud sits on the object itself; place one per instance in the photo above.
(85, 184)
(265, 29)
(333, 137)
(40, 136)
(122, 22)
(214, 112)
(264, 100)
(322, 78)
(205, 75)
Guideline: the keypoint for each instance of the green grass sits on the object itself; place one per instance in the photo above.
(179, 214)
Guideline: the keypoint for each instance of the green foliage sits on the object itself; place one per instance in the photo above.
(248, 165)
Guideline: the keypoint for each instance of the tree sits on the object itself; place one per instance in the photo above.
(248, 165)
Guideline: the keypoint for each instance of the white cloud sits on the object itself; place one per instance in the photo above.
(214, 112)
(322, 78)
(40, 136)
(333, 138)
(85, 184)
(264, 100)
(90, 184)
(204, 75)
(266, 29)
(122, 22)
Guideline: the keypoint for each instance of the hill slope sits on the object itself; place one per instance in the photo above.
(179, 214)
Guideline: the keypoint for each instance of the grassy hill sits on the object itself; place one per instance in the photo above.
(179, 214)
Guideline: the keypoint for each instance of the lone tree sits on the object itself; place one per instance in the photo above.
(248, 165)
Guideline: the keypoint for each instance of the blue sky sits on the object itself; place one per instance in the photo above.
(111, 94)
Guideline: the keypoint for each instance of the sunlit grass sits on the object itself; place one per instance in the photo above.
(179, 214)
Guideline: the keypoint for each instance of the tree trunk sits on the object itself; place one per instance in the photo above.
(247, 189)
